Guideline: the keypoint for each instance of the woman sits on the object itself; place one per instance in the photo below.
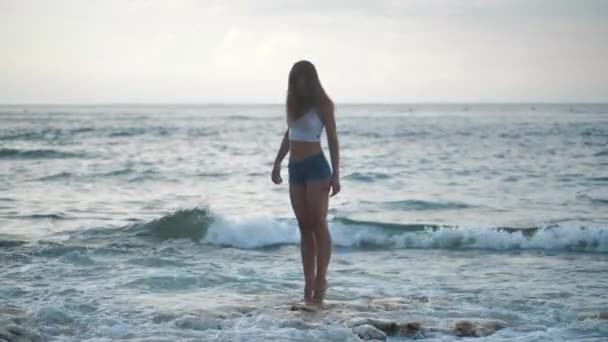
(309, 109)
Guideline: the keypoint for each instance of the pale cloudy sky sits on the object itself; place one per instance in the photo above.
(86, 51)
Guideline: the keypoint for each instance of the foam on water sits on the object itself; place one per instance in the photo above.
(263, 233)
(252, 233)
(260, 232)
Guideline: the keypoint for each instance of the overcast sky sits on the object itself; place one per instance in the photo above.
(85, 51)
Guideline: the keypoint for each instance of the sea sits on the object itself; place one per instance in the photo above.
(159, 222)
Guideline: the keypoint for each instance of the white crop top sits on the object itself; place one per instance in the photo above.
(307, 127)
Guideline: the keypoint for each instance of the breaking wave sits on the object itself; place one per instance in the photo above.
(201, 225)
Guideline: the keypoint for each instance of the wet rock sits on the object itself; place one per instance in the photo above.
(163, 317)
(390, 304)
(410, 329)
(477, 328)
(368, 332)
(464, 328)
(387, 326)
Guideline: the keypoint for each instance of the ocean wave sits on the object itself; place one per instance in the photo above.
(54, 216)
(133, 174)
(127, 132)
(601, 153)
(593, 199)
(411, 204)
(56, 249)
(11, 243)
(118, 172)
(548, 239)
(65, 134)
(137, 175)
(183, 223)
(43, 134)
(599, 201)
(28, 135)
(201, 225)
(114, 132)
(57, 176)
(262, 233)
(366, 176)
(414, 205)
(201, 132)
(36, 154)
(402, 227)
(594, 131)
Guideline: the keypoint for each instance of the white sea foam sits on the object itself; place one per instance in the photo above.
(251, 233)
(263, 232)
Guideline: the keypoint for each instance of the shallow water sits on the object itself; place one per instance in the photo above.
(161, 223)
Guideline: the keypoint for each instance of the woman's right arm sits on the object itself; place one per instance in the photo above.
(283, 149)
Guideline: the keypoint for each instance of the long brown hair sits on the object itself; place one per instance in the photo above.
(314, 96)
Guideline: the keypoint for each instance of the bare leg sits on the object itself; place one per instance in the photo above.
(307, 248)
(297, 194)
(318, 201)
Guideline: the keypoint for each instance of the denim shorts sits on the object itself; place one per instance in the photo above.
(309, 169)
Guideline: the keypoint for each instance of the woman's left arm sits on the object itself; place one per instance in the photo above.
(332, 141)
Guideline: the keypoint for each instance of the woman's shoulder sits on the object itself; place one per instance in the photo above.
(325, 106)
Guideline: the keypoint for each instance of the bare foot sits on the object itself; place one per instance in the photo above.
(305, 307)
(319, 292)
(307, 294)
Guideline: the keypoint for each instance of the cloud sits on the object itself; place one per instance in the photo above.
(238, 50)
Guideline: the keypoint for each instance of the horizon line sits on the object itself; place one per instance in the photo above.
(238, 103)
